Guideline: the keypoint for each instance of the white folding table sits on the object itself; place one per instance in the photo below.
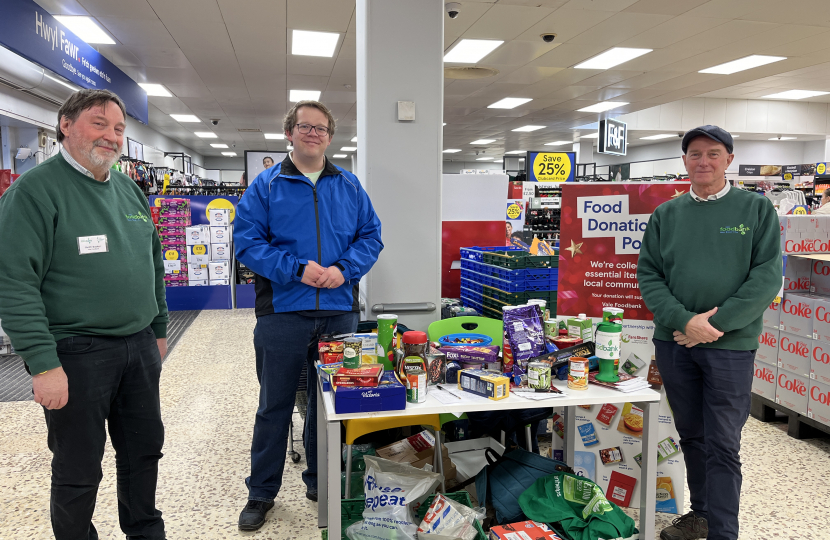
(329, 443)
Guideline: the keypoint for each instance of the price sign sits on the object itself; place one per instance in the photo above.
(788, 176)
(514, 210)
(550, 166)
(821, 168)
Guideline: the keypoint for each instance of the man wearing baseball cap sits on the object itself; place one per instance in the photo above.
(709, 265)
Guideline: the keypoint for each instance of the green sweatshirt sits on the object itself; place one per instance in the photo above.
(724, 253)
(48, 289)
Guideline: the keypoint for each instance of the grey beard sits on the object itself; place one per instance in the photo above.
(98, 161)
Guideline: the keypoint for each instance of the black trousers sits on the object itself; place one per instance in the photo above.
(709, 393)
(114, 383)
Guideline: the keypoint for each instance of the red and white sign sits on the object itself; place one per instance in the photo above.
(768, 347)
(763, 381)
(821, 319)
(794, 354)
(602, 227)
(772, 316)
(797, 314)
(818, 405)
(820, 362)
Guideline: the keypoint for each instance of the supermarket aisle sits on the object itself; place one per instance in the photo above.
(209, 395)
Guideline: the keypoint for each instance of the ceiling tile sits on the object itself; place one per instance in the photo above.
(664, 7)
(320, 15)
(62, 7)
(506, 22)
(600, 5)
(127, 9)
(186, 12)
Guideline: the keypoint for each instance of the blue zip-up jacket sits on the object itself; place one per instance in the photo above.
(284, 220)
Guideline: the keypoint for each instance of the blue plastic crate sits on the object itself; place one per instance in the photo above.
(538, 273)
(472, 285)
(505, 286)
(472, 295)
(476, 253)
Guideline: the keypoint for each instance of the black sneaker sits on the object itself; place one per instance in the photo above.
(311, 495)
(688, 527)
(253, 515)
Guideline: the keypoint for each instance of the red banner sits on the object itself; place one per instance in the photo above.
(602, 227)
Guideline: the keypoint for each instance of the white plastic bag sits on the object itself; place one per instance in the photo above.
(448, 519)
(394, 492)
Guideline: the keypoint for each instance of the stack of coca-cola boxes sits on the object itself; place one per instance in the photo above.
(792, 364)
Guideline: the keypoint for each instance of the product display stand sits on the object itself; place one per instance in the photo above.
(329, 440)
(798, 425)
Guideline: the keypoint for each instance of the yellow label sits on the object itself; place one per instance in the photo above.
(157, 202)
(552, 167)
(788, 176)
(171, 255)
(514, 211)
(821, 168)
(221, 203)
(800, 211)
(199, 250)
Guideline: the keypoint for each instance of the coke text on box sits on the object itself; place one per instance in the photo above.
(818, 404)
(820, 362)
(821, 319)
(768, 346)
(797, 314)
(791, 391)
(772, 316)
(794, 354)
(797, 274)
(820, 277)
(763, 380)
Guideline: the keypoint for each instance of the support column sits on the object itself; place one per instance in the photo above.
(827, 149)
(400, 58)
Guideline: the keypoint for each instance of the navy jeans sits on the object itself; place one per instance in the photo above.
(113, 383)
(286, 344)
(709, 393)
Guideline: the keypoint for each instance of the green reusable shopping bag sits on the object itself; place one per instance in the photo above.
(577, 506)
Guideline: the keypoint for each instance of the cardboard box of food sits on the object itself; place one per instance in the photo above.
(487, 384)
(220, 252)
(768, 346)
(796, 274)
(221, 234)
(522, 531)
(367, 375)
(219, 216)
(818, 404)
(797, 314)
(791, 391)
(219, 282)
(772, 316)
(198, 235)
(794, 353)
(389, 395)
(763, 380)
(196, 272)
(197, 282)
(219, 270)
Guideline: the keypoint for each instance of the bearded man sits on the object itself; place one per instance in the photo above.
(82, 298)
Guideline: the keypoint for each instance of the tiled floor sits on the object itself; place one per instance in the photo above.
(209, 395)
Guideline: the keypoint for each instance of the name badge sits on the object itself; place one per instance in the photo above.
(92, 244)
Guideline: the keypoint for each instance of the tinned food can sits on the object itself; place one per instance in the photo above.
(578, 373)
(416, 386)
(352, 352)
(538, 375)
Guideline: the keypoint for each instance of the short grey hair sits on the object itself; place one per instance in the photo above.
(83, 100)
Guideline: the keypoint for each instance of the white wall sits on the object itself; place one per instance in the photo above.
(455, 167)
(238, 163)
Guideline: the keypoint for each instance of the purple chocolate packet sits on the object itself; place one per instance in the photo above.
(525, 332)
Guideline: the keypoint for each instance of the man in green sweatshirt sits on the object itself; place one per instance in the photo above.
(82, 300)
(709, 265)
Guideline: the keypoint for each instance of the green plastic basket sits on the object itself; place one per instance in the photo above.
(351, 511)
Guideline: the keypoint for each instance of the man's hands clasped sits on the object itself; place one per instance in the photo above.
(698, 330)
(322, 278)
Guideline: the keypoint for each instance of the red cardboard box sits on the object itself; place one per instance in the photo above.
(531, 529)
(368, 375)
(620, 489)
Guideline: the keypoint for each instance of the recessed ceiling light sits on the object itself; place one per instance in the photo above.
(205, 134)
(303, 95)
(185, 118)
(354, 139)
(484, 159)
(782, 138)
(155, 90)
(86, 29)
(499, 161)
(796, 94)
(516, 152)
(452, 150)
(484, 141)
(219, 145)
(658, 137)
(508, 103)
(278, 136)
(529, 128)
(306, 43)
(742, 64)
(591, 136)
(340, 156)
(604, 106)
(470, 51)
(612, 57)
(231, 154)
(349, 149)
(558, 143)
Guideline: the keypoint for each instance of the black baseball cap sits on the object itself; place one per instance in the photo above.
(713, 132)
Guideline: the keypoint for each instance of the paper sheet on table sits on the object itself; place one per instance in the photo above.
(456, 397)
(541, 396)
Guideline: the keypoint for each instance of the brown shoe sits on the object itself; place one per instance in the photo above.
(688, 527)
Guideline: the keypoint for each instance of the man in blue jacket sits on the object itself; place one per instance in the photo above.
(308, 230)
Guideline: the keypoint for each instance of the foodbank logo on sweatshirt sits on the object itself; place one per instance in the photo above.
(740, 229)
(136, 217)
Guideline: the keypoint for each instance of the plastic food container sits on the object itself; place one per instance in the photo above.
(455, 340)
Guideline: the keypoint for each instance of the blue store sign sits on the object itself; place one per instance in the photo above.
(28, 30)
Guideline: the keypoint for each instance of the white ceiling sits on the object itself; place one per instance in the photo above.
(227, 59)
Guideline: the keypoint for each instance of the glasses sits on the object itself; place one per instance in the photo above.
(305, 129)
